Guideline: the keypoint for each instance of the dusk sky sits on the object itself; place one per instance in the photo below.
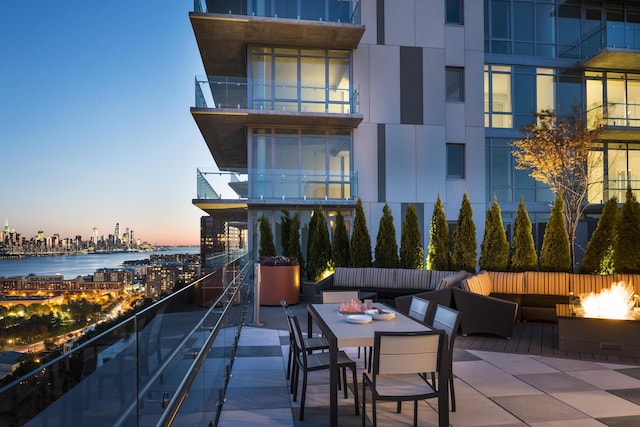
(94, 118)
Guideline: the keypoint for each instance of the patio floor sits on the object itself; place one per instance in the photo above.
(524, 381)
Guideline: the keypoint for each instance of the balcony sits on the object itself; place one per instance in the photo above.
(615, 121)
(614, 47)
(225, 106)
(174, 354)
(226, 195)
(225, 28)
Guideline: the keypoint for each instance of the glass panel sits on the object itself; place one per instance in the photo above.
(339, 84)
(524, 98)
(634, 169)
(569, 92)
(501, 166)
(523, 17)
(285, 160)
(545, 23)
(286, 74)
(595, 192)
(455, 161)
(501, 96)
(616, 99)
(545, 96)
(617, 179)
(285, 8)
(454, 12)
(340, 165)
(500, 19)
(313, 10)
(454, 84)
(313, 87)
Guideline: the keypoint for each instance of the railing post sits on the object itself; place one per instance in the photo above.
(256, 296)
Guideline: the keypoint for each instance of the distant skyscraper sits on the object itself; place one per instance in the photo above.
(116, 233)
(94, 235)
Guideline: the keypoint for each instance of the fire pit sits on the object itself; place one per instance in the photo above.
(607, 322)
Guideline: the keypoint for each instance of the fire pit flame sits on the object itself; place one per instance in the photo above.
(613, 303)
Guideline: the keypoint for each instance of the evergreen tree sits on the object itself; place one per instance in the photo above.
(319, 260)
(340, 247)
(311, 229)
(494, 251)
(523, 248)
(555, 254)
(386, 251)
(464, 252)
(267, 248)
(439, 257)
(285, 230)
(360, 240)
(598, 258)
(293, 246)
(627, 249)
(411, 251)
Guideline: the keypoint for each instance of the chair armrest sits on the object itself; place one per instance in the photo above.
(326, 283)
(483, 314)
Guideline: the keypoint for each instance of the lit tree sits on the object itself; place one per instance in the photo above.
(627, 250)
(494, 251)
(463, 251)
(523, 249)
(439, 257)
(319, 260)
(555, 254)
(411, 251)
(386, 251)
(558, 153)
(360, 239)
(340, 248)
(599, 256)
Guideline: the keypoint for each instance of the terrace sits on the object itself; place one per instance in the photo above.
(225, 364)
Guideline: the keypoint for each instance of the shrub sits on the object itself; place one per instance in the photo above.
(386, 251)
(340, 252)
(523, 248)
(599, 255)
(464, 252)
(555, 254)
(267, 248)
(360, 240)
(411, 251)
(627, 249)
(319, 259)
(494, 251)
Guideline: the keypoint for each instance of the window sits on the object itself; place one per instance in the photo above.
(455, 161)
(497, 96)
(454, 11)
(455, 84)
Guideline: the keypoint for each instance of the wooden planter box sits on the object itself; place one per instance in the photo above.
(277, 283)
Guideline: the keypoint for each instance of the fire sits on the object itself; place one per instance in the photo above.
(613, 303)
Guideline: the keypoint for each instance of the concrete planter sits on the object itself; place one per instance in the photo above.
(279, 282)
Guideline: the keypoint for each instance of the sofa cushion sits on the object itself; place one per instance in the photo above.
(582, 284)
(437, 276)
(452, 279)
(503, 282)
(546, 283)
(347, 277)
(382, 278)
(478, 284)
(414, 279)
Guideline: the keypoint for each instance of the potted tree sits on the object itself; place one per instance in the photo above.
(279, 275)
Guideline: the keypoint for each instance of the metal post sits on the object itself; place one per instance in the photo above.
(256, 295)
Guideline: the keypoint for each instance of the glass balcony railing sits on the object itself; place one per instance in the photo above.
(283, 184)
(347, 11)
(140, 371)
(614, 36)
(242, 93)
(613, 115)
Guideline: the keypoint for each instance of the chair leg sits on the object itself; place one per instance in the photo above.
(364, 400)
(289, 360)
(453, 395)
(370, 358)
(294, 382)
(415, 413)
(355, 389)
(399, 407)
(344, 381)
(304, 395)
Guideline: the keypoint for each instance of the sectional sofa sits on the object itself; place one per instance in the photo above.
(389, 283)
(537, 292)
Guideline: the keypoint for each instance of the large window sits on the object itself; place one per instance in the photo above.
(613, 99)
(308, 80)
(498, 109)
(455, 83)
(301, 163)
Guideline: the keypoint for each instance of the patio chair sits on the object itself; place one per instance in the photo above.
(308, 362)
(311, 343)
(420, 309)
(399, 362)
(336, 297)
(448, 320)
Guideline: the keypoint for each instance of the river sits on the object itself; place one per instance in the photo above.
(71, 266)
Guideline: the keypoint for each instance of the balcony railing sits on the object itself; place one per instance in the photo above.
(614, 36)
(283, 184)
(347, 11)
(139, 372)
(273, 95)
(613, 115)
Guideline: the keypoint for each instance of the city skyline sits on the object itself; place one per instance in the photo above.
(94, 119)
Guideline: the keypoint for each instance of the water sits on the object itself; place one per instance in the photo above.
(78, 265)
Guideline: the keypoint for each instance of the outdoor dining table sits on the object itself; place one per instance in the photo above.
(341, 334)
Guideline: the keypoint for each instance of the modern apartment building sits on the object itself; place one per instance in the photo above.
(398, 101)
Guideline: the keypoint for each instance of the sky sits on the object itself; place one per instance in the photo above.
(95, 127)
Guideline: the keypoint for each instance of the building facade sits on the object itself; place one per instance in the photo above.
(400, 101)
